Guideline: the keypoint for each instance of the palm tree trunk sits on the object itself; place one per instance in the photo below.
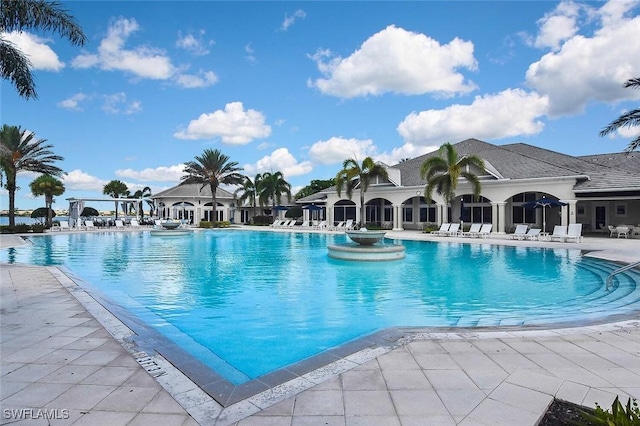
(49, 203)
(214, 205)
(362, 209)
(116, 211)
(12, 207)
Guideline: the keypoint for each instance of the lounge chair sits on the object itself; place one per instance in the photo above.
(574, 232)
(134, 223)
(444, 228)
(622, 231)
(475, 228)
(275, 224)
(520, 232)
(119, 224)
(89, 226)
(485, 230)
(321, 225)
(559, 233)
(612, 231)
(348, 224)
(64, 225)
(305, 224)
(338, 227)
(453, 231)
(532, 234)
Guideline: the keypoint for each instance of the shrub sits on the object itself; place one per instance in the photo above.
(38, 228)
(619, 415)
(205, 224)
(430, 227)
(223, 224)
(262, 220)
(22, 228)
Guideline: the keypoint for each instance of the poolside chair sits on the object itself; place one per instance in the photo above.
(348, 224)
(622, 231)
(453, 231)
(485, 230)
(612, 231)
(532, 234)
(338, 227)
(89, 226)
(559, 233)
(520, 232)
(321, 225)
(119, 224)
(157, 224)
(574, 232)
(134, 223)
(64, 225)
(444, 228)
(305, 224)
(275, 224)
(475, 228)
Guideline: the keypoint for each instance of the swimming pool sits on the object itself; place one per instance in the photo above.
(246, 303)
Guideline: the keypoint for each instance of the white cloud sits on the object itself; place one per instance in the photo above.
(558, 26)
(488, 117)
(233, 125)
(41, 56)
(201, 79)
(194, 43)
(399, 61)
(592, 68)
(279, 160)
(118, 104)
(407, 150)
(290, 20)
(77, 179)
(159, 174)
(337, 149)
(142, 61)
(73, 102)
(249, 51)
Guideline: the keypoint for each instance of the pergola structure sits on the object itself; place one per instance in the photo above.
(76, 205)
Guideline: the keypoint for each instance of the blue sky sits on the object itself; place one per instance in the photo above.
(300, 86)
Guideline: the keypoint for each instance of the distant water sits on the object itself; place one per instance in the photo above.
(4, 220)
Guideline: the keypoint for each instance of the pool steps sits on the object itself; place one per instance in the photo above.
(597, 304)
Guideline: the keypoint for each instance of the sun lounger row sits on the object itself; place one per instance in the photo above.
(477, 230)
(564, 234)
(523, 232)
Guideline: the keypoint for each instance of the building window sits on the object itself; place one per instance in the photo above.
(621, 210)
(407, 213)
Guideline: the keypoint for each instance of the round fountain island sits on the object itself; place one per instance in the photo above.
(171, 228)
(366, 246)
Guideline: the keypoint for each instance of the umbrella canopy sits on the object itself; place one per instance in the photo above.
(543, 203)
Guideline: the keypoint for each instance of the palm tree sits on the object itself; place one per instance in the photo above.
(143, 193)
(247, 192)
(354, 174)
(443, 172)
(212, 168)
(49, 187)
(39, 15)
(271, 187)
(22, 152)
(628, 119)
(116, 189)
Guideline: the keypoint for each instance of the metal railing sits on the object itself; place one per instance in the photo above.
(620, 270)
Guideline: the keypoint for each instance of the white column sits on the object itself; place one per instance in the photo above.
(501, 217)
(571, 210)
(440, 213)
(397, 218)
(494, 215)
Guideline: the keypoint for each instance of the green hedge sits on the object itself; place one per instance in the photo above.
(22, 228)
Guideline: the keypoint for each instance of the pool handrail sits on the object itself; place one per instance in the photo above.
(618, 271)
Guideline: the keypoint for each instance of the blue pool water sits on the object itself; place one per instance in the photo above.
(249, 302)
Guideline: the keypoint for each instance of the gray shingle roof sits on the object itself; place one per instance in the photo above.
(192, 190)
(621, 160)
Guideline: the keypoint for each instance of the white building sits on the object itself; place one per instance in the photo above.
(599, 190)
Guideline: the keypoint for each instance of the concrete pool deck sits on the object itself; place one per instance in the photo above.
(61, 350)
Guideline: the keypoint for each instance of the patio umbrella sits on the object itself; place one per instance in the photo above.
(543, 203)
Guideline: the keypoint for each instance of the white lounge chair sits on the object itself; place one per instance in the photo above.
(89, 225)
(485, 230)
(134, 223)
(520, 232)
(532, 234)
(305, 224)
(64, 225)
(559, 233)
(574, 232)
(119, 224)
(475, 228)
(321, 225)
(444, 228)
(275, 224)
(338, 227)
(348, 224)
(453, 231)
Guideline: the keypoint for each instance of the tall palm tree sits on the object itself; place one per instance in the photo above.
(247, 192)
(116, 189)
(354, 174)
(20, 151)
(49, 187)
(271, 187)
(443, 172)
(628, 119)
(143, 193)
(39, 15)
(212, 168)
